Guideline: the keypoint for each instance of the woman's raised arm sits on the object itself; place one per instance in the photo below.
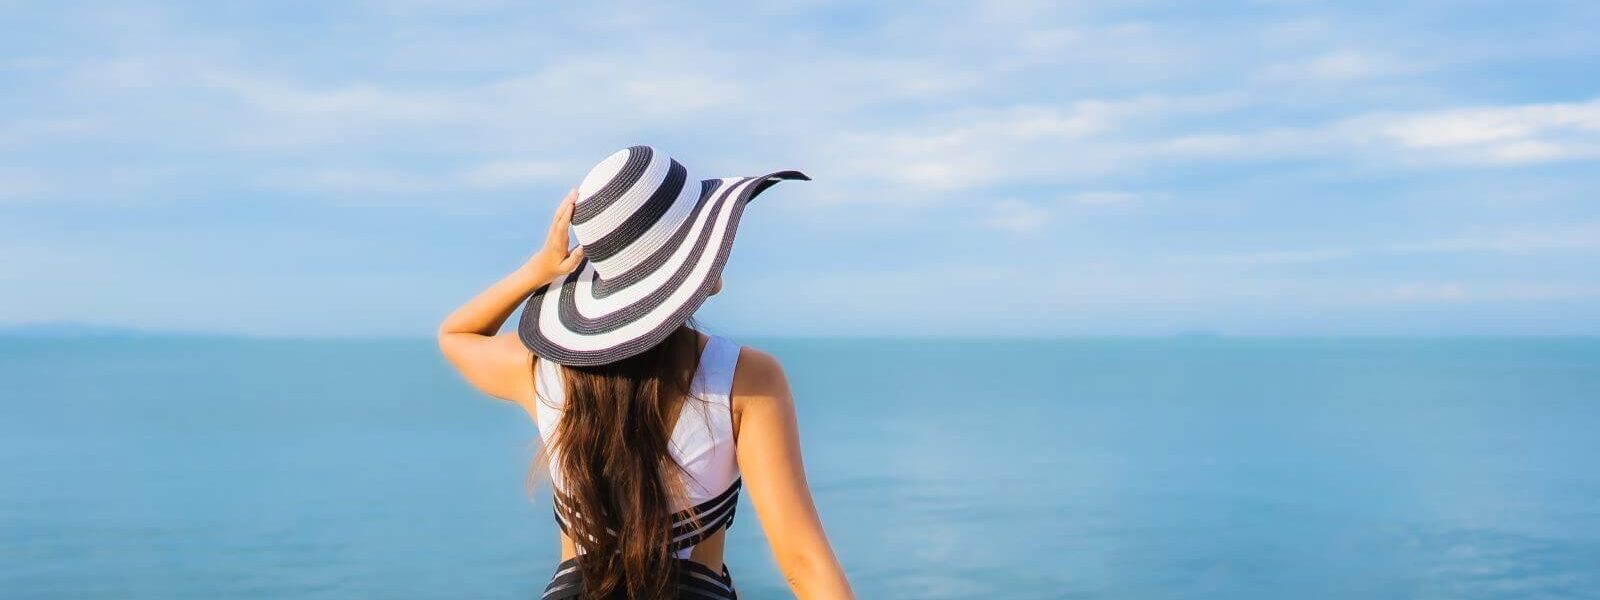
(499, 365)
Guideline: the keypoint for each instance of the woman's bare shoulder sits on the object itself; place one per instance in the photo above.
(759, 375)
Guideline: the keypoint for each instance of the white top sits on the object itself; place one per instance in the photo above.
(702, 440)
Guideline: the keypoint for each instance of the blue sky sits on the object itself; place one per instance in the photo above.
(1012, 168)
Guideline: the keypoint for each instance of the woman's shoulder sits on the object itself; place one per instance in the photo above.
(760, 388)
(759, 375)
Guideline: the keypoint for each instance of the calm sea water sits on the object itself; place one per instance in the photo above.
(1186, 468)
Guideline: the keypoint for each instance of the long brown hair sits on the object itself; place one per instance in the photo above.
(618, 476)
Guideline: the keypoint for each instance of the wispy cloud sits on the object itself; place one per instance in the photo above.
(508, 173)
(383, 182)
(1501, 241)
(1497, 135)
(1339, 67)
(1514, 291)
(1014, 217)
(1267, 258)
(975, 148)
(1104, 197)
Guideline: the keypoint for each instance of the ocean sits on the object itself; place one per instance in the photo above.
(179, 468)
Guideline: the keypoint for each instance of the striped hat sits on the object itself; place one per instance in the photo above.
(654, 243)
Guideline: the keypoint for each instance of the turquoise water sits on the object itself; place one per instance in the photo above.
(1184, 468)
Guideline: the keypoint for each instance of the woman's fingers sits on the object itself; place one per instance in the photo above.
(563, 216)
(571, 261)
(557, 238)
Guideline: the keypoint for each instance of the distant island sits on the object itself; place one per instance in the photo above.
(73, 329)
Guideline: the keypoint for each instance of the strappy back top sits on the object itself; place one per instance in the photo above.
(702, 442)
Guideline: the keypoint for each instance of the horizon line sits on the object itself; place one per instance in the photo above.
(83, 330)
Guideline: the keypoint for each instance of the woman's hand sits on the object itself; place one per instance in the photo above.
(555, 258)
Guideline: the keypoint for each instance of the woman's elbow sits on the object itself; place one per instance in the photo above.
(445, 341)
(814, 576)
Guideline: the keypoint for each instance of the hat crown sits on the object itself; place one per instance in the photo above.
(629, 205)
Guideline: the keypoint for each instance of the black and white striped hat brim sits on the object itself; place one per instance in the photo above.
(654, 241)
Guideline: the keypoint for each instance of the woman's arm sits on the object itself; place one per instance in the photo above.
(499, 365)
(768, 442)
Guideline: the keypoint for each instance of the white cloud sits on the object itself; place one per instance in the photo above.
(1339, 67)
(1103, 197)
(393, 182)
(1504, 241)
(1514, 241)
(1344, 66)
(512, 173)
(1016, 217)
(356, 181)
(1047, 42)
(1266, 258)
(1494, 135)
(1491, 291)
(974, 148)
(678, 93)
(364, 101)
(1104, 140)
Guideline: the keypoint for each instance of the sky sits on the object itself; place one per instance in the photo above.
(1272, 168)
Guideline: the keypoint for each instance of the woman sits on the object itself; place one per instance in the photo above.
(650, 427)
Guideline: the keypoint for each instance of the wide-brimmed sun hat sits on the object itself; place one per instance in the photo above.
(654, 241)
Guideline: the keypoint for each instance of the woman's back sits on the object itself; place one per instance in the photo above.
(702, 446)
